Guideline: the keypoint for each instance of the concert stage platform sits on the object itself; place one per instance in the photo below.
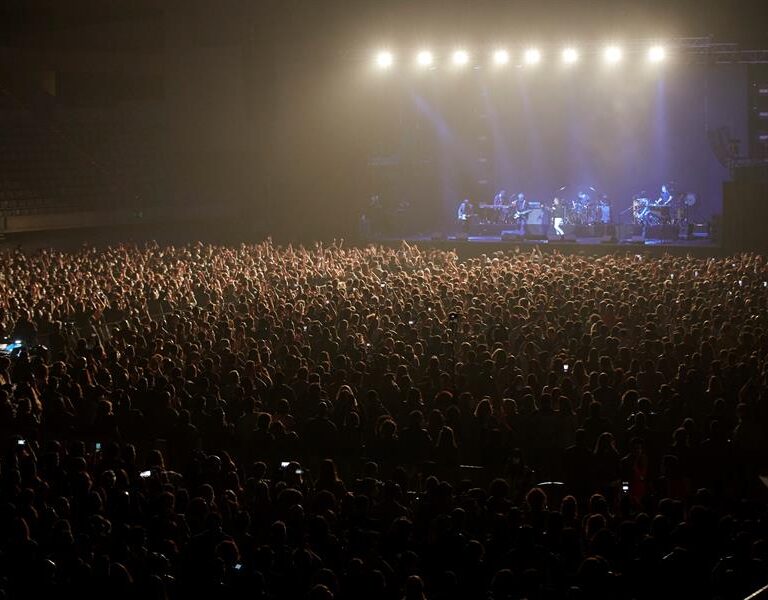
(474, 245)
(594, 239)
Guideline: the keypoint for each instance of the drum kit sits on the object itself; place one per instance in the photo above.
(586, 207)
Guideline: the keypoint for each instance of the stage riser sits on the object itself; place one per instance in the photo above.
(580, 231)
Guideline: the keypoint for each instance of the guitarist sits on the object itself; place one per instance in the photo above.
(521, 211)
(465, 213)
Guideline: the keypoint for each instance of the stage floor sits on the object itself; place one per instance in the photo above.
(479, 244)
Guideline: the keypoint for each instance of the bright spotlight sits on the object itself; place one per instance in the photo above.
(425, 58)
(657, 54)
(384, 60)
(532, 56)
(501, 57)
(570, 56)
(460, 58)
(613, 54)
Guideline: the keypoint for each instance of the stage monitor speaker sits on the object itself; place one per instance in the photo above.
(535, 217)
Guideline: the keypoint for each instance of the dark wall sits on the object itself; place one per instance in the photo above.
(745, 212)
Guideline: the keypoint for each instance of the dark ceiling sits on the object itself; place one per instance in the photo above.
(354, 24)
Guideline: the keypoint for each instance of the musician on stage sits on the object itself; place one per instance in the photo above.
(465, 213)
(501, 199)
(604, 210)
(521, 207)
(558, 215)
(665, 197)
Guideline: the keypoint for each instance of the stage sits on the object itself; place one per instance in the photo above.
(474, 245)
(695, 239)
(634, 149)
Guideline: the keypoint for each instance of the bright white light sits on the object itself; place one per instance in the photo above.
(613, 54)
(384, 59)
(425, 58)
(532, 56)
(570, 56)
(460, 58)
(657, 54)
(501, 57)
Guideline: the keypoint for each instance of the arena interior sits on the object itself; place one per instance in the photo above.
(416, 300)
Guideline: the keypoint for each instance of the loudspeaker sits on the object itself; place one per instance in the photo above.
(535, 217)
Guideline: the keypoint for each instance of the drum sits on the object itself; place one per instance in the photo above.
(576, 213)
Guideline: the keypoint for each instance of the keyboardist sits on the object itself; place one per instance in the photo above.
(501, 199)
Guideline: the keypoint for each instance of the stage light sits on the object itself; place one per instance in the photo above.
(613, 54)
(570, 56)
(425, 58)
(532, 56)
(657, 54)
(384, 59)
(501, 57)
(460, 58)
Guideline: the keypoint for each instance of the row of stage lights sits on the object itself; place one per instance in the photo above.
(500, 57)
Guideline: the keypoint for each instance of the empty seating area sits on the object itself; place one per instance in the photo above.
(64, 162)
(128, 146)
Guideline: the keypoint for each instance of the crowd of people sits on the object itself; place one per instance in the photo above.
(340, 422)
